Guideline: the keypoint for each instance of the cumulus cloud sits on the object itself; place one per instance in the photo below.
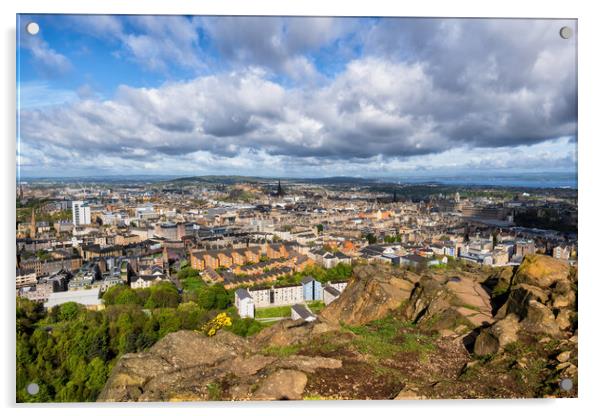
(423, 93)
(276, 43)
(157, 43)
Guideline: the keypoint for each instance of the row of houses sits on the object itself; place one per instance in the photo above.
(246, 300)
(231, 281)
(201, 259)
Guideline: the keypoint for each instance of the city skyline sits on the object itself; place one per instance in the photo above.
(271, 96)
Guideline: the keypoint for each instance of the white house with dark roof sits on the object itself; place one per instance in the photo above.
(301, 311)
(330, 294)
(244, 303)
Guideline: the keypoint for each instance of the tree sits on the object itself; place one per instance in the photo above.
(190, 315)
(245, 327)
(163, 295)
(68, 311)
(168, 321)
(214, 297)
(320, 228)
(187, 272)
(371, 238)
(127, 297)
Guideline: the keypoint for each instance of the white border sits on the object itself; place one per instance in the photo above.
(590, 34)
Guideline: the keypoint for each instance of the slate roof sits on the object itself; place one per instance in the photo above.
(243, 294)
(302, 311)
(334, 292)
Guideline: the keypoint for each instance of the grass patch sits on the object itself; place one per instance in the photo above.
(274, 312)
(386, 337)
(471, 307)
(214, 391)
(323, 344)
(282, 351)
(316, 306)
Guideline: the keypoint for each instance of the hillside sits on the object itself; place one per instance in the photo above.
(391, 334)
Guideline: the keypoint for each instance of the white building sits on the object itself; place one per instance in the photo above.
(144, 281)
(87, 297)
(300, 311)
(81, 213)
(330, 294)
(244, 303)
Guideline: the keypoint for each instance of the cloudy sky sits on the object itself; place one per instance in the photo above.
(301, 97)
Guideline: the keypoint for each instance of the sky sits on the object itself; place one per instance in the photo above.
(294, 96)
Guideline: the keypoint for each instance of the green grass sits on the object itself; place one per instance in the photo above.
(214, 391)
(316, 306)
(471, 307)
(275, 312)
(386, 337)
(282, 351)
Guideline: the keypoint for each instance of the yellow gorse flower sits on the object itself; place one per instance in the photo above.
(217, 323)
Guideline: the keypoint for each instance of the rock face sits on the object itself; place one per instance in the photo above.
(541, 300)
(444, 303)
(372, 292)
(187, 365)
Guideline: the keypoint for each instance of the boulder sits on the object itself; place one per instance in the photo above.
(564, 319)
(486, 344)
(283, 333)
(519, 298)
(563, 356)
(166, 362)
(442, 303)
(540, 319)
(429, 299)
(282, 385)
(247, 366)
(372, 292)
(541, 271)
(190, 348)
(506, 330)
(503, 332)
(563, 300)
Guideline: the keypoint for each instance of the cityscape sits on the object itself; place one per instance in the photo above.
(335, 233)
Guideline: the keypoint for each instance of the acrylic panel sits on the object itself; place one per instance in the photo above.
(295, 208)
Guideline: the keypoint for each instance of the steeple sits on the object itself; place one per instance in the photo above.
(279, 192)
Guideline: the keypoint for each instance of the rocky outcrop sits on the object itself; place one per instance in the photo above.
(188, 365)
(541, 271)
(541, 300)
(372, 292)
(443, 303)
